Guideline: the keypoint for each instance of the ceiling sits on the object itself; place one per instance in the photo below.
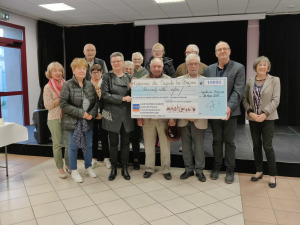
(119, 11)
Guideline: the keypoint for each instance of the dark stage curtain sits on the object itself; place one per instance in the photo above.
(175, 38)
(124, 38)
(279, 41)
(50, 48)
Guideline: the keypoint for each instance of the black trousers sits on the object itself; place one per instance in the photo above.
(262, 136)
(135, 140)
(99, 133)
(224, 133)
(114, 144)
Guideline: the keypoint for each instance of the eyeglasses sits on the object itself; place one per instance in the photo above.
(158, 51)
(222, 49)
(95, 72)
(117, 61)
(193, 64)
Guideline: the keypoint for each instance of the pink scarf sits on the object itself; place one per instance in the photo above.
(56, 85)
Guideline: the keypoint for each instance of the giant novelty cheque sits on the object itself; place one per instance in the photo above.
(190, 98)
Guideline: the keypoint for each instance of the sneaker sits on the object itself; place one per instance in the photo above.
(214, 174)
(89, 171)
(76, 176)
(229, 177)
(107, 163)
(94, 163)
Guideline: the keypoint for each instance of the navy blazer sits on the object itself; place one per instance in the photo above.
(235, 73)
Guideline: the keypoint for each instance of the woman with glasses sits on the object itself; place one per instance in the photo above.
(158, 51)
(116, 114)
(261, 99)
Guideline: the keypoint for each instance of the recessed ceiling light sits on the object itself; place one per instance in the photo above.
(168, 1)
(57, 7)
(291, 6)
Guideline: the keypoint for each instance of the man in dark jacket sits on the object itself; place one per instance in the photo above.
(224, 130)
(89, 51)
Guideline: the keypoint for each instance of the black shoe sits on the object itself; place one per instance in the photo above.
(201, 177)
(257, 178)
(186, 175)
(125, 173)
(229, 177)
(167, 176)
(136, 165)
(147, 174)
(119, 165)
(214, 175)
(113, 172)
(272, 185)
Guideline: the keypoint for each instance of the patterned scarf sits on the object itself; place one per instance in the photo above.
(79, 135)
(56, 85)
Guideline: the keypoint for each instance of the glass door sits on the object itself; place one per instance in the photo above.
(13, 76)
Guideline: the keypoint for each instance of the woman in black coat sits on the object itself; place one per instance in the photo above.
(116, 113)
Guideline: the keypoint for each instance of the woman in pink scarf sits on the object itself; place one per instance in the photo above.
(55, 74)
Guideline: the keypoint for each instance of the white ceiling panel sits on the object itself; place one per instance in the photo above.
(232, 7)
(267, 6)
(203, 7)
(176, 10)
(285, 6)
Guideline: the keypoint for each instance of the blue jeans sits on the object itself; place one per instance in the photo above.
(73, 150)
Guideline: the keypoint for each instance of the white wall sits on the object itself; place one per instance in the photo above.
(32, 58)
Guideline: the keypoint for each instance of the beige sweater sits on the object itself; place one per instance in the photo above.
(49, 96)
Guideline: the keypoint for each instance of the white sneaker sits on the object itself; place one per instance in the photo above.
(89, 171)
(76, 176)
(94, 163)
(107, 163)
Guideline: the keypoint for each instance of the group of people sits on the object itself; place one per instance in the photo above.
(96, 105)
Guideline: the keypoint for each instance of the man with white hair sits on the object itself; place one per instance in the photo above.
(137, 59)
(182, 68)
(193, 131)
(153, 127)
(89, 52)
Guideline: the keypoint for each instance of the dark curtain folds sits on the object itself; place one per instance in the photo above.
(50, 48)
(175, 38)
(279, 41)
(124, 38)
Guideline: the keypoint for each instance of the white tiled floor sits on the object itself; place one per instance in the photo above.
(39, 196)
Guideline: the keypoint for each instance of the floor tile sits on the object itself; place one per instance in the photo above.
(38, 189)
(48, 209)
(203, 186)
(287, 218)
(13, 204)
(63, 219)
(220, 193)
(193, 217)
(29, 222)
(104, 196)
(256, 202)
(174, 220)
(64, 184)
(150, 186)
(43, 179)
(16, 216)
(128, 191)
(139, 201)
(118, 182)
(86, 214)
(220, 210)
(95, 187)
(184, 189)
(132, 216)
(178, 205)
(77, 203)
(11, 194)
(163, 195)
(114, 207)
(70, 193)
(200, 199)
(43, 198)
(285, 204)
(103, 221)
(281, 193)
(235, 203)
(154, 212)
(258, 223)
(11, 185)
(234, 220)
(259, 215)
